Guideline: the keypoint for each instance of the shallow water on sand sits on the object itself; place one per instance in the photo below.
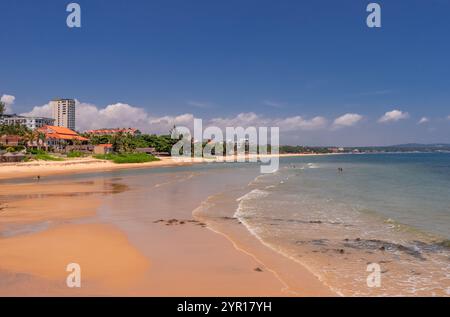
(392, 210)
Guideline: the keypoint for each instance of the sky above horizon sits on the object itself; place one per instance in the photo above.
(313, 68)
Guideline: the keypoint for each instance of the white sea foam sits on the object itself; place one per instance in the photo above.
(254, 194)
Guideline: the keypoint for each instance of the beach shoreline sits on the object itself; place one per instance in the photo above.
(89, 165)
(45, 224)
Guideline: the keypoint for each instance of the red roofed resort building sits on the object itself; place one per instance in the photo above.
(58, 138)
(131, 131)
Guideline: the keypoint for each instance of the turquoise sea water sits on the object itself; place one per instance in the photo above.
(412, 189)
(390, 209)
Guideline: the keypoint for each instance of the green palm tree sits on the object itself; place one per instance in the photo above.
(26, 138)
(38, 137)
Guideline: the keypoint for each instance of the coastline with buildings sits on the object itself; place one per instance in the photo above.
(64, 195)
(25, 134)
(57, 135)
(21, 134)
(48, 146)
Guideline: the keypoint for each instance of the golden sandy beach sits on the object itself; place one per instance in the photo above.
(46, 226)
(79, 165)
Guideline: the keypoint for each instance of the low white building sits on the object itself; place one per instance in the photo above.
(30, 122)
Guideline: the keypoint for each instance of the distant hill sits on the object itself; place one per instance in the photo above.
(419, 145)
(409, 147)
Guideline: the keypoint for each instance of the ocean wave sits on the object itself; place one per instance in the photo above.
(254, 194)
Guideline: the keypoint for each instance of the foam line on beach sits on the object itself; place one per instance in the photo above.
(254, 257)
(239, 215)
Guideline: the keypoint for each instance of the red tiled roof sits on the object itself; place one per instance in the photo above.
(55, 129)
(110, 131)
(61, 133)
(65, 137)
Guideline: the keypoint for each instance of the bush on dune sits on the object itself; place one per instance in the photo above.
(43, 156)
(73, 154)
(47, 157)
(127, 158)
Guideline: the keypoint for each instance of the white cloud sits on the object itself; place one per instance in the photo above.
(300, 123)
(347, 120)
(423, 120)
(89, 116)
(448, 118)
(285, 124)
(393, 116)
(9, 101)
(40, 111)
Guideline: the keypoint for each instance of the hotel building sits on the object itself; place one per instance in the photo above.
(30, 122)
(64, 113)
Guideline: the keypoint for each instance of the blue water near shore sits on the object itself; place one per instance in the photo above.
(412, 189)
(391, 209)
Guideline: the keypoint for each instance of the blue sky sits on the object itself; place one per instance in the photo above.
(279, 60)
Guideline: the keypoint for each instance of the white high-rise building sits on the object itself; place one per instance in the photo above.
(64, 113)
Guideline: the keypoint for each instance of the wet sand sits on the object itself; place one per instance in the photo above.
(109, 264)
(46, 225)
